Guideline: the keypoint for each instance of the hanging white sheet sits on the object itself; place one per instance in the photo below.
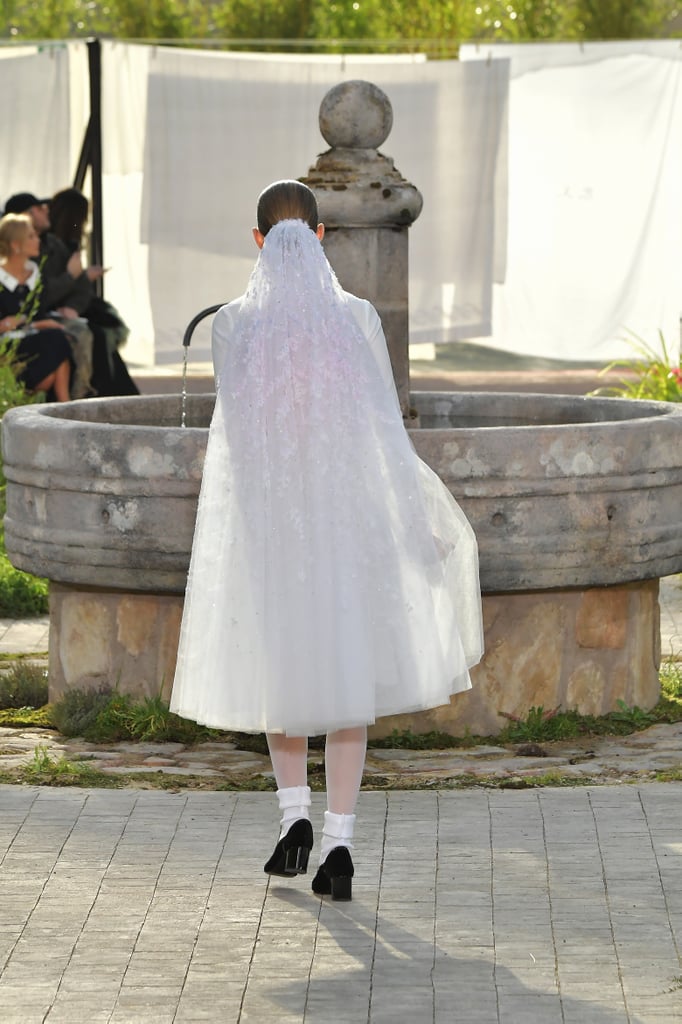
(125, 71)
(595, 205)
(221, 126)
(43, 117)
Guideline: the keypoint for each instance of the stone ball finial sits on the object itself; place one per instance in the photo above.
(356, 115)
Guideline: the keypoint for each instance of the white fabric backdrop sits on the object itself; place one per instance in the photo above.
(219, 127)
(43, 116)
(595, 151)
(595, 202)
(125, 71)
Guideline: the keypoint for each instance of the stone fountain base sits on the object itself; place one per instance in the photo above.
(575, 503)
(583, 649)
(112, 638)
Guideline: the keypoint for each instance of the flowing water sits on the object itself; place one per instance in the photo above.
(183, 415)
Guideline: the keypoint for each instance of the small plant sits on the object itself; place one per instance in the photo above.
(540, 724)
(44, 770)
(23, 686)
(105, 716)
(633, 717)
(151, 719)
(670, 674)
(41, 760)
(75, 714)
(650, 375)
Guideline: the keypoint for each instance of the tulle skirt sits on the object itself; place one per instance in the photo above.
(321, 595)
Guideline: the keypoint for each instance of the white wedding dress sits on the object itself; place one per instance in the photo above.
(333, 577)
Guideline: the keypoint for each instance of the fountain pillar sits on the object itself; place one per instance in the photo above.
(367, 206)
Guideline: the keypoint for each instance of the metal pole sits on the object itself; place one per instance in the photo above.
(91, 156)
(95, 132)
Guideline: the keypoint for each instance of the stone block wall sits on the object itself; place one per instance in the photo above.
(584, 649)
(111, 638)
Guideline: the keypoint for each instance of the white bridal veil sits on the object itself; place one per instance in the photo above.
(333, 577)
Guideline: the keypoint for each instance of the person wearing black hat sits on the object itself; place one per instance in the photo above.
(22, 202)
(66, 283)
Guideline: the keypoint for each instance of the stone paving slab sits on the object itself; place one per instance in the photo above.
(640, 757)
(139, 907)
(22, 636)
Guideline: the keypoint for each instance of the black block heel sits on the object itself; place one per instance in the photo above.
(290, 856)
(335, 877)
(297, 859)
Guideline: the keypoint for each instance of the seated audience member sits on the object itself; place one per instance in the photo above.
(41, 346)
(69, 290)
(68, 213)
(63, 276)
(62, 279)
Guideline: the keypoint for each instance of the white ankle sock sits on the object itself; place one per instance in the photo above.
(338, 831)
(294, 803)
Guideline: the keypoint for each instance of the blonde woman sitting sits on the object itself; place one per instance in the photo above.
(42, 352)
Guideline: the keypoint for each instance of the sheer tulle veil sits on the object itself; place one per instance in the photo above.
(333, 578)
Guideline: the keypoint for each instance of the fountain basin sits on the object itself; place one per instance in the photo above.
(576, 503)
(561, 491)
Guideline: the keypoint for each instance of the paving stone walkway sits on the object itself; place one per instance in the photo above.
(472, 907)
(652, 754)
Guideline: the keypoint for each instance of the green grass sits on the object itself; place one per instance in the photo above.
(650, 375)
(23, 718)
(44, 770)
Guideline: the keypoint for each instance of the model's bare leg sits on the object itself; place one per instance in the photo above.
(59, 380)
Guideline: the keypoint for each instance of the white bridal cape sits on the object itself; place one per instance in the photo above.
(333, 577)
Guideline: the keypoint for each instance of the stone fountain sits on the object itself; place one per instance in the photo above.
(575, 501)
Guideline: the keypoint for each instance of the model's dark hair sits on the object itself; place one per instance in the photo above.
(286, 200)
(68, 214)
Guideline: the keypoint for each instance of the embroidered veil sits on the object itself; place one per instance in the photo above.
(333, 577)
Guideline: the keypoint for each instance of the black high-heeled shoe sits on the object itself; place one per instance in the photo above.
(334, 877)
(290, 856)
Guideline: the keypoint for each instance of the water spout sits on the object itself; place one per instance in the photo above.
(187, 337)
